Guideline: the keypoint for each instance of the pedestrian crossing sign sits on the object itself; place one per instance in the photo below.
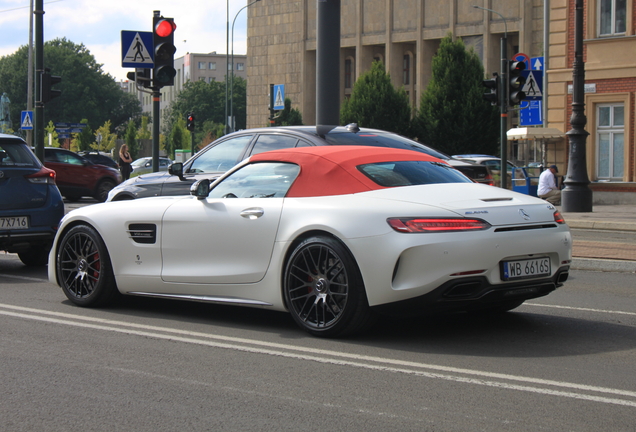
(26, 120)
(279, 97)
(137, 49)
(533, 88)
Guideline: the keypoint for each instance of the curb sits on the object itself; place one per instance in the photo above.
(604, 265)
(601, 225)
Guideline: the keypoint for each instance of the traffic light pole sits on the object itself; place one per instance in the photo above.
(156, 100)
(503, 127)
(38, 125)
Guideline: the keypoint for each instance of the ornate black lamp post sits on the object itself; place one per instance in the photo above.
(577, 196)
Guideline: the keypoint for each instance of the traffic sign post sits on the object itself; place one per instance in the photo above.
(137, 50)
(26, 120)
(279, 97)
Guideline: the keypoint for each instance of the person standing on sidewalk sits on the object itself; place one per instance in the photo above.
(124, 162)
(548, 189)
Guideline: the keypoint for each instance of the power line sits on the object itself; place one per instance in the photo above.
(26, 7)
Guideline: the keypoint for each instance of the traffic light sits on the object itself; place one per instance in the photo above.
(516, 82)
(163, 41)
(493, 85)
(141, 77)
(190, 122)
(46, 82)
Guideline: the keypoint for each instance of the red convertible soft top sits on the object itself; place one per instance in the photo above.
(331, 170)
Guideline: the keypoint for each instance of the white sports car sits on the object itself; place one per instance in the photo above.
(331, 234)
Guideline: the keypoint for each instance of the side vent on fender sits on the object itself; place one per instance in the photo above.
(143, 233)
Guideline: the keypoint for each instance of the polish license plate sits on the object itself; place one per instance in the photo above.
(14, 222)
(526, 268)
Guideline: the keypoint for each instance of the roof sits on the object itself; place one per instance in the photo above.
(534, 133)
(331, 170)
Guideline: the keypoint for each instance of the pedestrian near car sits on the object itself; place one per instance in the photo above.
(548, 189)
(124, 162)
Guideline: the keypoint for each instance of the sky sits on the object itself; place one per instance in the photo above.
(201, 25)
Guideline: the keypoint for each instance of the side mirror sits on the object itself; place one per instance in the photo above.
(176, 169)
(200, 189)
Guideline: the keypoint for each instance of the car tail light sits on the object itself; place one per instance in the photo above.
(558, 218)
(424, 225)
(45, 175)
(490, 179)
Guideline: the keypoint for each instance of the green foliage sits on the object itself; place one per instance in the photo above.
(375, 103)
(179, 137)
(131, 139)
(144, 129)
(82, 141)
(453, 117)
(105, 140)
(87, 91)
(289, 116)
(50, 136)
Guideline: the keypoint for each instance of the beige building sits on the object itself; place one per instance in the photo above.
(609, 41)
(404, 34)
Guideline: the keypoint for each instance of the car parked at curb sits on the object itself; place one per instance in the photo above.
(31, 205)
(222, 154)
(78, 177)
(144, 165)
(334, 235)
(100, 158)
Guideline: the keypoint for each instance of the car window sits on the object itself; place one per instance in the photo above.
(408, 173)
(258, 180)
(273, 142)
(221, 157)
(16, 154)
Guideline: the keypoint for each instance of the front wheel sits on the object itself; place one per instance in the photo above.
(101, 192)
(84, 269)
(323, 289)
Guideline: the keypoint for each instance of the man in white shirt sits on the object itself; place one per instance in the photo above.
(548, 189)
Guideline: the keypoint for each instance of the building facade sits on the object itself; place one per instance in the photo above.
(609, 38)
(192, 67)
(403, 34)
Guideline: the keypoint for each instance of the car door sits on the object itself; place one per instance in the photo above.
(71, 173)
(228, 237)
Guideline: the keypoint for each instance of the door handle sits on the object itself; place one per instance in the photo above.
(252, 213)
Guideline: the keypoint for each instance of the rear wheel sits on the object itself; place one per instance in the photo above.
(324, 290)
(101, 192)
(84, 269)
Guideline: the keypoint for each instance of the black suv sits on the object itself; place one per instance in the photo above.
(222, 154)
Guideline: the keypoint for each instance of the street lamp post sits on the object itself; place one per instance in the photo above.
(232, 63)
(503, 92)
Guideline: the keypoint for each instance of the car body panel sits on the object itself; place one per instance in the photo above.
(210, 249)
(24, 196)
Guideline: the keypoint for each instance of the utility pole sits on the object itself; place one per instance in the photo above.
(328, 63)
(38, 124)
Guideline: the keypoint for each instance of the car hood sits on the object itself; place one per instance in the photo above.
(496, 206)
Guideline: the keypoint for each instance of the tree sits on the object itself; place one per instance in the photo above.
(83, 140)
(179, 138)
(375, 103)
(144, 130)
(105, 140)
(289, 116)
(453, 117)
(50, 136)
(87, 91)
(131, 139)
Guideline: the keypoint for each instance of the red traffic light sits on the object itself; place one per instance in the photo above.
(165, 28)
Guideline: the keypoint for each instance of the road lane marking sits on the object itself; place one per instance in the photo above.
(581, 309)
(342, 359)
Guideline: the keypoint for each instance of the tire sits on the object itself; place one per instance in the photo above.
(102, 189)
(323, 289)
(84, 270)
(73, 198)
(35, 257)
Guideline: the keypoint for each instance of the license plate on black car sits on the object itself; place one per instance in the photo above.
(527, 268)
(14, 222)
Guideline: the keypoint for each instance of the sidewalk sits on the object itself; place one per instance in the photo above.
(599, 255)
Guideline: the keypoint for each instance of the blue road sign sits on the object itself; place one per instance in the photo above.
(522, 58)
(137, 49)
(279, 97)
(536, 63)
(530, 113)
(533, 88)
(26, 120)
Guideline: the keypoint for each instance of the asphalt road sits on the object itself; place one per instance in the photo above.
(563, 362)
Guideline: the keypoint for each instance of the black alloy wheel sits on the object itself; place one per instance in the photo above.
(324, 290)
(101, 192)
(84, 269)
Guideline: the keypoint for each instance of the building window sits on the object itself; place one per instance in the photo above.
(202, 65)
(610, 131)
(612, 17)
(347, 74)
(406, 69)
(240, 66)
(212, 66)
